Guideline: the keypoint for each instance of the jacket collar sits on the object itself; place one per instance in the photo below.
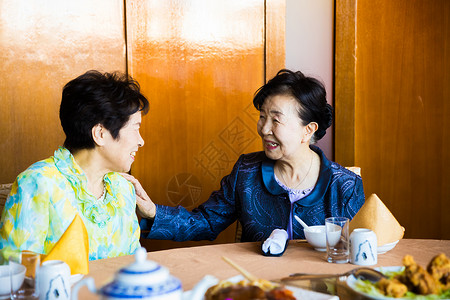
(319, 190)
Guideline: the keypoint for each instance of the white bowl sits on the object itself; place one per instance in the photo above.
(5, 282)
(316, 237)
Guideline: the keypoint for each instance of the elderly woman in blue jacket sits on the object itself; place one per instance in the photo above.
(266, 189)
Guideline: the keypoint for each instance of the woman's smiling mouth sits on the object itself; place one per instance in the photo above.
(271, 145)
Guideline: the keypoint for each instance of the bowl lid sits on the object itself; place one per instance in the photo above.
(141, 266)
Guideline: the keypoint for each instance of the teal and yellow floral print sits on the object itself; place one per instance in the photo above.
(45, 198)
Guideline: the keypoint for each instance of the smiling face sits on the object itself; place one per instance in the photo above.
(280, 127)
(120, 153)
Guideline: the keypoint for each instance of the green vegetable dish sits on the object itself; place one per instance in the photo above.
(408, 282)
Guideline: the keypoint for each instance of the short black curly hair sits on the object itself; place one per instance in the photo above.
(98, 98)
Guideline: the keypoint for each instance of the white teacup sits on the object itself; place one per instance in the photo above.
(54, 280)
(363, 247)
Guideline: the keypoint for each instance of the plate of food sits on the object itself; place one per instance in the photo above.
(237, 287)
(409, 281)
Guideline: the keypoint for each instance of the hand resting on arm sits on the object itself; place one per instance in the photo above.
(146, 208)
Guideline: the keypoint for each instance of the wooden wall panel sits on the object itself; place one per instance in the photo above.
(275, 37)
(344, 82)
(199, 62)
(43, 45)
(401, 127)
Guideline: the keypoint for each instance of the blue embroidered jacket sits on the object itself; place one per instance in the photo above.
(251, 195)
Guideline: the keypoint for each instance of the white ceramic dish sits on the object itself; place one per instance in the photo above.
(386, 247)
(298, 292)
(75, 278)
(316, 237)
(5, 281)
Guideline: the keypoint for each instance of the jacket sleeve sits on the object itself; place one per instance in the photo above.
(356, 199)
(202, 223)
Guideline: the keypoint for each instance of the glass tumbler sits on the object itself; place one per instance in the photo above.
(30, 287)
(337, 239)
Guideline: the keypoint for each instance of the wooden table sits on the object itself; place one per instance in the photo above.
(191, 264)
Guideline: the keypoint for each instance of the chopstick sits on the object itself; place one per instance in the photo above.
(241, 270)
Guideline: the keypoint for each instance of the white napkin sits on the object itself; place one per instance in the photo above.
(276, 242)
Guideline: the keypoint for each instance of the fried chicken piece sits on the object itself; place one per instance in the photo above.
(417, 279)
(392, 287)
(439, 268)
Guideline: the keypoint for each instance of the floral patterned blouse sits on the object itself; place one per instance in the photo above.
(46, 197)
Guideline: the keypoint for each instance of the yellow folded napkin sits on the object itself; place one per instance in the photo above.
(374, 215)
(73, 248)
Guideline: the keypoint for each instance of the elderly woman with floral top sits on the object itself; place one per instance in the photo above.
(101, 116)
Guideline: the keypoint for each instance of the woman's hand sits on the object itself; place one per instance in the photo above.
(146, 208)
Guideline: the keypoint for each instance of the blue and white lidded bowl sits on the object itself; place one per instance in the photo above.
(143, 279)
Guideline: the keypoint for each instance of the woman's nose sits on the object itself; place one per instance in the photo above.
(266, 128)
(141, 141)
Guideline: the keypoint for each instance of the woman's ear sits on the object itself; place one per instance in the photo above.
(309, 131)
(98, 134)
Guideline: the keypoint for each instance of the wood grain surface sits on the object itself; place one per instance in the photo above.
(395, 123)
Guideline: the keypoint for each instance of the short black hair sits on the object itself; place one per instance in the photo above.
(95, 98)
(308, 91)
